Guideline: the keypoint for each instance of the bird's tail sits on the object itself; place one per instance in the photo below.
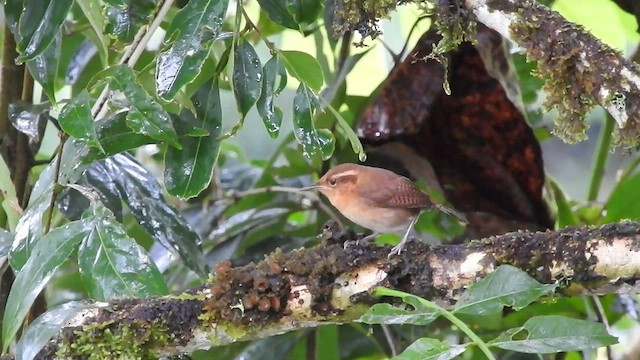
(450, 211)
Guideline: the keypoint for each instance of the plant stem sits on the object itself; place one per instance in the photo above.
(54, 195)
(602, 154)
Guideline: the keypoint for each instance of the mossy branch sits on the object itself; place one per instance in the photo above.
(328, 284)
(580, 71)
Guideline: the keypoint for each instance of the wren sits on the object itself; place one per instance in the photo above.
(377, 199)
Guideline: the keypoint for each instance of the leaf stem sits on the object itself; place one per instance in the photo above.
(269, 44)
(602, 154)
(54, 194)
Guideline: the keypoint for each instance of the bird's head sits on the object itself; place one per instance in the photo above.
(338, 182)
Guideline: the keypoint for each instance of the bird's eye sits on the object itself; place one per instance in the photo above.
(333, 182)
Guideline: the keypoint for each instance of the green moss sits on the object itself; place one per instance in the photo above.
(114, 341)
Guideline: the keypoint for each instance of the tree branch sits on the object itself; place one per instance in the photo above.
(328, 284)
(580, 70)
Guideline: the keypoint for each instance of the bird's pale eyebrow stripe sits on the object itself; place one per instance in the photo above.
(346, 173)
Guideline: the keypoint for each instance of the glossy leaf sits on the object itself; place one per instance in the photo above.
(188, 171)
(43, 328)
(566, 216)
(327, 143)
(278, 13)
(27, 118)
(507, 286)
(304, 12)
(39, 24)
(122, 177)
(92, 10)
(29, 230)
(303, 67)
(76, 120)
(430, 349)
(305, 105)
(48, 255)
(193, 28)
(247, 76)
(44, 67)
(549, 334)
(271, 115)
(115, 136)
(124, 18)
(623, 201)
(145, 116)
(6, 238)
(112, 265)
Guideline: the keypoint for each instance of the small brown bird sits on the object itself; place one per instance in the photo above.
(377, 199)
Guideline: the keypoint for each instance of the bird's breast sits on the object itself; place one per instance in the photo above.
(382, 220)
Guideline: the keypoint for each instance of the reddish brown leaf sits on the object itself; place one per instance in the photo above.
(485, 156)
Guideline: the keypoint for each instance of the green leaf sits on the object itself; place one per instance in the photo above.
(124, 18)
(76, 120)
(8, 198)
(327, 143)
(43, 328)
(247, 76)
(304, 12)
(39, 24)
(47, 256)
(193, 28)
(29, 230)
(623, 201)
(552, 333)
(303, 67)
(271, 115)
(566, 216)
(121, 178)
(278, 13)
(389, 314)
(92, 10)
(115, 136)
(188, 171)
(112, 265)
(305, 105)
(507, 286)
(6, 238)
(44, 67)
(430, 349)
(145, 115)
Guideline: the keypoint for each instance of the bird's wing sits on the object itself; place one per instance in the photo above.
(401, 193)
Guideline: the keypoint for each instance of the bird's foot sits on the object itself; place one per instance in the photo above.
(396, 250)
(359, 242)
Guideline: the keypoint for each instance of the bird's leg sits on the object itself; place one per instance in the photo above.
(398, 248)
(363, 240)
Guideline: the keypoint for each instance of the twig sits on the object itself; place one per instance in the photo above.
(285, 189)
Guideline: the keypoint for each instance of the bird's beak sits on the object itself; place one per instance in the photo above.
(312, 187)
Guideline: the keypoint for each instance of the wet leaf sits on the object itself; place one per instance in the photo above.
(122, 177)
(45, 326)
(327, 143)
(6, 238)
(76, 120)
(92, 10)
(44, 67)
(303, 67)
(430, 349)
(29, 230)
(115, 136)
(388, 314)
(39, 24)
(112, 265)
(27, 119)
(47, 256)
(145, 116)
(507, 286)
(623, 201)
(247, 76)
(304, 12)
(271, 115)
(124, 18)
(278, 13)
(552, 333)
(188, 171)
(305, 105)
(193, 28)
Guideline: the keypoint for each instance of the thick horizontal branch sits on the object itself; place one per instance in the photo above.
(328, 284)
(580, 69)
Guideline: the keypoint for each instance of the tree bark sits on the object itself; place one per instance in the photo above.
(329, 284)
